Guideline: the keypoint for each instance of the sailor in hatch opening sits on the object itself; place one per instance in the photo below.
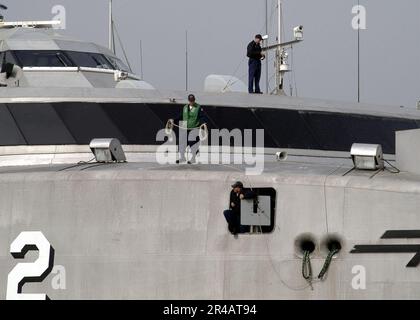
(255, 55)
(233, 215)
(191, 121)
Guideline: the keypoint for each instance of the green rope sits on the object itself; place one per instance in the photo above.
(307, 268)
(327, 263)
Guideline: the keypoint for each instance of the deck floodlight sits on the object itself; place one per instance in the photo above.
(367, 156)
(107, 150)
(120, 75)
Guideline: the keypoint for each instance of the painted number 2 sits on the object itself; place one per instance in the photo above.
(29, 272)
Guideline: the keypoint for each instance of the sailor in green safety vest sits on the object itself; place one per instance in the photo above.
(190, 121)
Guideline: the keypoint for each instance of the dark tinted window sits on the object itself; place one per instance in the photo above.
(136, 122)
(166, 111)
(29, 58)
(9, 132)
(87, 121)
(339, 131)
(40, 124)
(118, 64)
(238, 118)
(288, 128)
(9, 58)
(90, 60)
(330, 130)
(2, 58)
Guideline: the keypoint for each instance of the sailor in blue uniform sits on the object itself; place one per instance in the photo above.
(255, 55)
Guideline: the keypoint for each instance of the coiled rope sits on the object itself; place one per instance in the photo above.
(203, 130)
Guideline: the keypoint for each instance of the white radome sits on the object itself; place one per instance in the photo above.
(224, 83)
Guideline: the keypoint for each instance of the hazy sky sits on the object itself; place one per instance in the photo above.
(325, 64)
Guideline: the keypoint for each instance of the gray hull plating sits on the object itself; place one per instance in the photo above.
(128, 232)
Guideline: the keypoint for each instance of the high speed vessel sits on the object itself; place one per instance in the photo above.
(143, 230)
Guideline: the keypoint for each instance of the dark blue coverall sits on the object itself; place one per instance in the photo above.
(254, 66)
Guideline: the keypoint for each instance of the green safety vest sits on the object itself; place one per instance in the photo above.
(191, 117)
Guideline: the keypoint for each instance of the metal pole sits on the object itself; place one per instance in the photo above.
(279, 26)
(186, 60)
(279, 76)
(266, 58)
(358, 57)
(111, 28)
(141, 60)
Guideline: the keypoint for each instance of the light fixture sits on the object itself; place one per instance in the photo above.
(120, 75)
(298, 33)
(107, 150)
(281, 156)
(367, 156)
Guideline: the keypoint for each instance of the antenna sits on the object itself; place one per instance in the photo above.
(266, 61)
(279, 4)
(141, 60)
(186, 60)
(358, 57)
(111, 29)
(121, 46)
(279, 52)
(281, 55)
